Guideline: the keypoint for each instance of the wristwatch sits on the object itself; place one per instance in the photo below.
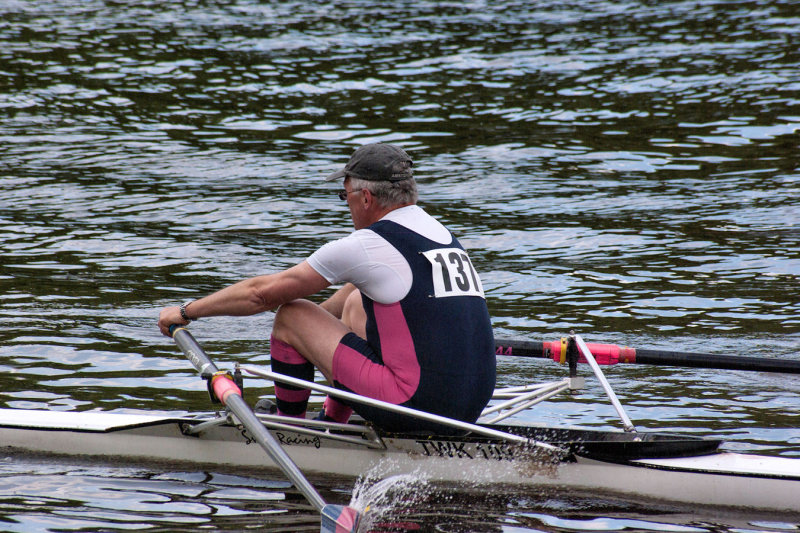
(183, 311)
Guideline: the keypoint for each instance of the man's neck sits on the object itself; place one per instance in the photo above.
(382, 213)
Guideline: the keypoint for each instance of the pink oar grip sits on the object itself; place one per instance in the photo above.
(604, 354)
(611, 354)
(223, 387)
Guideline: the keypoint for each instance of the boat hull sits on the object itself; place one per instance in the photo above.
(701, 478)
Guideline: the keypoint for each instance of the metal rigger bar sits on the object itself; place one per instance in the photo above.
(626, 422)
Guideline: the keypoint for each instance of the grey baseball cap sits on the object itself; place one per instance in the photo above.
(377, 162)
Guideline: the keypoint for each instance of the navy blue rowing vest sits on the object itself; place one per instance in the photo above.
(449, 323)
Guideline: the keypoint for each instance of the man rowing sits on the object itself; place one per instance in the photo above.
(410, 326)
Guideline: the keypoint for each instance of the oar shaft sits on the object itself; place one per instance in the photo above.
(727, 362)
(194, 353)
(609, 354)
(234, 401)
(249, 420)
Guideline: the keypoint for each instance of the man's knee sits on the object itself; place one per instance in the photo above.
(287, 315)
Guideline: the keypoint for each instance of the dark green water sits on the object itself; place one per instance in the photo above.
(627, 170)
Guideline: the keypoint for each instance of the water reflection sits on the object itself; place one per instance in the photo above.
(70, 495)
(89, 497)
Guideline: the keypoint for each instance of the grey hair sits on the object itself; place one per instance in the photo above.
(389, 193)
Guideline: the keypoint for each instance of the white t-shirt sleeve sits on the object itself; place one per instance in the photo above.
(366, 260)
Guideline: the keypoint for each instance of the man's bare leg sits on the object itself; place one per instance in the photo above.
(305, 331)
(353, 314)
(335, 304)
(304, 336)
(312, 331)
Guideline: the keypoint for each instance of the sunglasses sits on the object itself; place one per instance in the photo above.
(343, 194)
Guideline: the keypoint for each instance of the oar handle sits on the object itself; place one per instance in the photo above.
(611, 354)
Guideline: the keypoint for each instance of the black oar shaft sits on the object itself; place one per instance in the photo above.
(725, 362)
(522, 348)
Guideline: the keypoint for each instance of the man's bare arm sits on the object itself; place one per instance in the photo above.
(250, 296)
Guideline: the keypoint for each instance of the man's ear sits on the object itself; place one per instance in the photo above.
(366, 198)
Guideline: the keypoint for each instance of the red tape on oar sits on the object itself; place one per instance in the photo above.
(223, 386)
(604, 354)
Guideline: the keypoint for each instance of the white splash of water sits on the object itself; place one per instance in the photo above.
(378, 493)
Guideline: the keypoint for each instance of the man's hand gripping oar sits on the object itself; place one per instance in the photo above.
(335, 518)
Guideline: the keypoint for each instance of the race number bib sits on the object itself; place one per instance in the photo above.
(453, 274)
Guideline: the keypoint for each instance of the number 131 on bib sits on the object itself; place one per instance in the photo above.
(453, 273)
